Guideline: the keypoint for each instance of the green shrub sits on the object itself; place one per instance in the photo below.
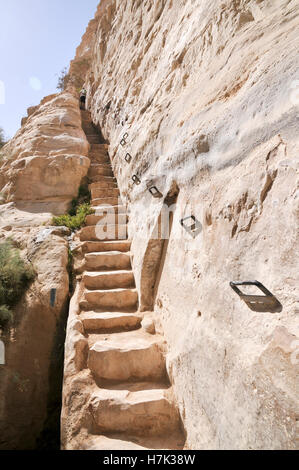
(5, 315)
(75, 77)
(80, 208)
(63, 79)
(15, 275)
(74, 222)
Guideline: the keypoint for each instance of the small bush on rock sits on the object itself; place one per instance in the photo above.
(2, 138)
(15, 276)
(74, 222)
(80, 208)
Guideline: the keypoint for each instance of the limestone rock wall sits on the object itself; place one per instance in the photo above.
(43, 165)
(29, 380)
(41, 169)
(206, 92)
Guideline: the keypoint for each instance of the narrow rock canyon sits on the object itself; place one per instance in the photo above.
(173, 308)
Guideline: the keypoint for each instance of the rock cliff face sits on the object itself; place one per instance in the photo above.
(46, 153)
(40, 172)
(199, 102)
(29, 380)
(205, 95)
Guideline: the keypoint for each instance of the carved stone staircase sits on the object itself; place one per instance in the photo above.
(130, 400)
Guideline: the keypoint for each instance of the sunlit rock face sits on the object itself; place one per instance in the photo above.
(207, 93)
(203, 96)
(46, 160)
(41, 170)
(29, 379)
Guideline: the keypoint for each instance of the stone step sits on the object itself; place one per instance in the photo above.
(103, 185)
(96, 178)
(105, 180)
(93, 154)
(111, 217)
(94, 138)
(111, 201)
(101, 150)
(88, 128)
(93, 247)
(131, 355)
(118, 441)
(95, 166)
(99, 169)
(108, 443)
(85, 118)
(95, 321)
(117, 299)
(109, 279)
(98, 193)
(99, 159)
(146, 412)
(107, 261)
(107, 209)
(98, 147)
(103, 232)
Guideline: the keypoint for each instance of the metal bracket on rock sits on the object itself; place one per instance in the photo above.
(257, 303)
(155, 192)
(128, 158)
(124, 139)
(195, 228)
(52, 297)
(136, 180)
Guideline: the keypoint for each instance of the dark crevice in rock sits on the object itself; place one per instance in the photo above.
(49, 438)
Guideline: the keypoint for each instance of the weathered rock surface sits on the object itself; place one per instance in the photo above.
(41, 169)
(33, 347)
(201, 98)
(205, 95)
(46, 153)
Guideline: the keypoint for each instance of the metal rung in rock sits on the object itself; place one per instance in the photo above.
(136, 180)
(155, 192)
(267, 302)
(52, 297)
(128, 158)
(193, 229)
(124, 139)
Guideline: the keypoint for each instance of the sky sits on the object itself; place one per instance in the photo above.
(38, 38)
